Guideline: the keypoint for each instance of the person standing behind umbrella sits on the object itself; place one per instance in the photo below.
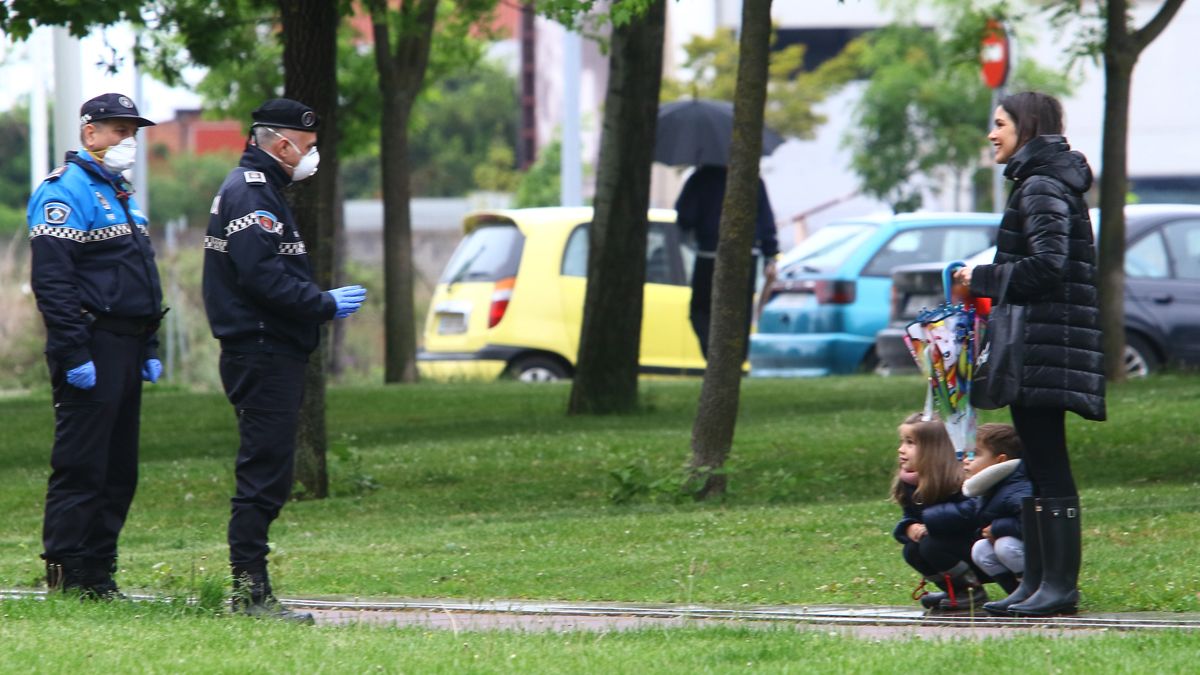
(1046, 262)
(698, 214)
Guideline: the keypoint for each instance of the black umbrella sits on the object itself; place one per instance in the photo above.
(698, 131)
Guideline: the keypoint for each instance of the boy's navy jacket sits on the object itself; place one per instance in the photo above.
(919, 513)
(994, 498)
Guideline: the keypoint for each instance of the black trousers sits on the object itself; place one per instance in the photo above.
(94, 463)
(1043, 432)
(933, 555)
(700, 309)
(265, 390)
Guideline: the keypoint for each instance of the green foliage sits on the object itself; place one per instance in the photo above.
(14, 167)
(925, 110)
(541, 185)
(497, 174)
(18, 18)
(183, 185)
(791, 91)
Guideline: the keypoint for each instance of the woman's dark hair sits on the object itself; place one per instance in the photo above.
(1034, 114)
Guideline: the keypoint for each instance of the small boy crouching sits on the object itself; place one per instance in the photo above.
(996, 476)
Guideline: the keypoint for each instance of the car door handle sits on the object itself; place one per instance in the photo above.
(1163, 299)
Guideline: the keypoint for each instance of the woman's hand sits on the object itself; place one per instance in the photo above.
(962, 276)
(916, 531)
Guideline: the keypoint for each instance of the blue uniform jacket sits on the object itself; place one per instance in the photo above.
(999, 506)
(91, 253)
(259, 290)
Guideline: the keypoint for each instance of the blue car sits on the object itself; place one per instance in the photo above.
(833, 291)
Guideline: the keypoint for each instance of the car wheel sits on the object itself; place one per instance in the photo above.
(872, 364)
(537, 369)
(1140, 359)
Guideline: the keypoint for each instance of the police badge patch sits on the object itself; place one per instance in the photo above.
(255, 177)
(269, 222)
(57, 213)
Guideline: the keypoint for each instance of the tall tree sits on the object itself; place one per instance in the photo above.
(310, 75)
(716, 416)
(607, 368)
(1121, 48)
(403, 38)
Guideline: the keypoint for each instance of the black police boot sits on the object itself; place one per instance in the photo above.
(98, 579)
(930, 600)
(1031, 578)
(252, 596)
(1058, 522)
(67, 575)
(964, 590)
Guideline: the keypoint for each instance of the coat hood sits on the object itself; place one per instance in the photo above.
(1051, 156)
(990, 477)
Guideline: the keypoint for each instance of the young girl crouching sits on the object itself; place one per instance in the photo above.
(929, 474)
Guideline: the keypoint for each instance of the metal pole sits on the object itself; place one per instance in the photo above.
(39, 123)
(141, 170)
(571, 169)
(68, 88)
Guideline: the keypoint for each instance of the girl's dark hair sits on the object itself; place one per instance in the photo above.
(1034, 114)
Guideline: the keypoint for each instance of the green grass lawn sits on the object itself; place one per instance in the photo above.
(490, 491)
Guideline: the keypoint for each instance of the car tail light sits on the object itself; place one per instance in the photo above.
(834, 292)
(500, 297)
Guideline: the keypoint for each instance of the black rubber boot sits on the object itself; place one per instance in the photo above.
(252, 597)
(1032, 577)
(964, 590)
(931, 600)
(1059, 527)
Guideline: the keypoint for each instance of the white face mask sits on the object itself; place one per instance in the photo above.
(121, 156)
(307, 165)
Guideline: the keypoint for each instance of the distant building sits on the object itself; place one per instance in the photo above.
(188, 133)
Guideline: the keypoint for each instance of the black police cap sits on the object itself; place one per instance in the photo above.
(111, 106)
(284, 113)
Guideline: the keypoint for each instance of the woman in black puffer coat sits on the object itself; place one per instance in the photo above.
(1046, 250)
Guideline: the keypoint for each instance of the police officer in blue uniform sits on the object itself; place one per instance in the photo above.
(97, 286)
(265, 308)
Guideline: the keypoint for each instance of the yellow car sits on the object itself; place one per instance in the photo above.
(510, 301)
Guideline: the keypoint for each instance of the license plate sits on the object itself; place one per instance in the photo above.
(452, 324)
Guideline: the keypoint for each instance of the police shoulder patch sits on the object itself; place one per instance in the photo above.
(57, 173)
(255, 177)
(269, 222)
(56, 213)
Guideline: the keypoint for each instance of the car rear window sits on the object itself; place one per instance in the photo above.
(927, 245)
(827, 248)
(489, 253)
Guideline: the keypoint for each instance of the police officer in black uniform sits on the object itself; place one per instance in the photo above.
(265, 308)
(97, 286)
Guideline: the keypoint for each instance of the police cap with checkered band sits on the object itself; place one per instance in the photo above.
(284, 113)
(111, 106)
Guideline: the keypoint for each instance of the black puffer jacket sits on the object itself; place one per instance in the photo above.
(1046, 241)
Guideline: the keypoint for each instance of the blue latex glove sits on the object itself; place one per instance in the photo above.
(151, 370)
(82, 377)
(348, 299)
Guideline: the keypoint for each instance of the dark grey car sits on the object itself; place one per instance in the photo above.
(1162, 292)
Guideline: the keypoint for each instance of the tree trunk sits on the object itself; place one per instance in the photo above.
(310, 76)
(607, 367)
(401, 75)
(1121, 52)
(716, 416)
(1118, 75)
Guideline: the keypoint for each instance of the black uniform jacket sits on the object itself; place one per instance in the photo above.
(258, 286)
(92, 259)
(1046, 240)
